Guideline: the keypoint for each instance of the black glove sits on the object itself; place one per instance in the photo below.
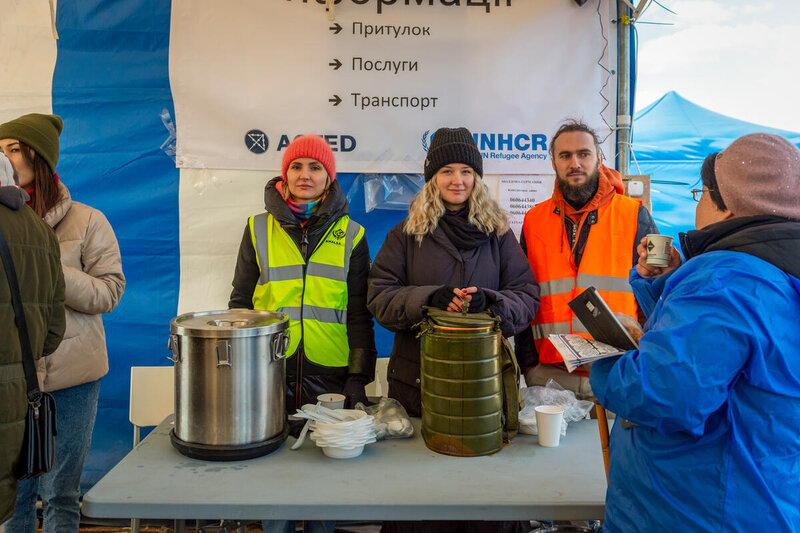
(442, 297)
(480, 302)
(354, 390)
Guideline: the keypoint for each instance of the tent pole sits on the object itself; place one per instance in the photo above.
(623, 88)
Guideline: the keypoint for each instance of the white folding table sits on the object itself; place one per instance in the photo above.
(392, 480)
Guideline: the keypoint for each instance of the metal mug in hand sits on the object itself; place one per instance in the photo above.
(659, 248)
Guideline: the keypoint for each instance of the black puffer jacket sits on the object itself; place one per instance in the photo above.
(316, 379)
(406, 273)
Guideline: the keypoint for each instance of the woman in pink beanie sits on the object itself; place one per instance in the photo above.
(306, 231)
(306, 224)
(306, 258)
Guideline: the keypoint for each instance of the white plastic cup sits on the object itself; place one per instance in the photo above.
(331, 400)
(659, 248)
(548, 422)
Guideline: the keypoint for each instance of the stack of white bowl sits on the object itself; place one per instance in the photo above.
(346, 437)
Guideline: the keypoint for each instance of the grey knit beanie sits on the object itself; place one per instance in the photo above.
(7, 174)
(759, 174)
(452, 145)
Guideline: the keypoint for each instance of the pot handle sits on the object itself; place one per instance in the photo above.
(224, 360)
(174, 346)
(280, 343)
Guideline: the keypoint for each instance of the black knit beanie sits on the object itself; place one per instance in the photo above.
(38, 131)
(452, 145)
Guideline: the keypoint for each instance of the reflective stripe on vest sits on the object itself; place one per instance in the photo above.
(605, 265)
(315, 304)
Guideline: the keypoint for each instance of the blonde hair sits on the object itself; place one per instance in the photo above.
(427, 208)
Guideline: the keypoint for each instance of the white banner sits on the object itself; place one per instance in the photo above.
(378, 80)
(29, 57)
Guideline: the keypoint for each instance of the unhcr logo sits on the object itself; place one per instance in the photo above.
(504, 145)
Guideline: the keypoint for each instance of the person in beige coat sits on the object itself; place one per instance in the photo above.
(94, 283)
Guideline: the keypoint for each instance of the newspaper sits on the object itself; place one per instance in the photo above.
(578, 351)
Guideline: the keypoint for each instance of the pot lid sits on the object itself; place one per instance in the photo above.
(230, 323)
(449, 319)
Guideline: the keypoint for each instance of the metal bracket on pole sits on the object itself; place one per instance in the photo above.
(637, 9)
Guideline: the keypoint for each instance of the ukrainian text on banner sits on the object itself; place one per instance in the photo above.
(379, 79)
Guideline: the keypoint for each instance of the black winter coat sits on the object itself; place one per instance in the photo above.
(406, 273)
(316, 379)
(37, 261)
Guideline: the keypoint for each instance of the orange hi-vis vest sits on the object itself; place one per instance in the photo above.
(605, 265)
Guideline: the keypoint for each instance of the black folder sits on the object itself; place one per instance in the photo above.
(599, 320)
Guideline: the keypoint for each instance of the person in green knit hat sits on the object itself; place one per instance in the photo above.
(31, 144)
(94, 283)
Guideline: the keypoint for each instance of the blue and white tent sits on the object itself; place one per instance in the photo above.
(671, 138)
(110, 83)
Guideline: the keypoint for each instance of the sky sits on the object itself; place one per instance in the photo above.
(739, 58)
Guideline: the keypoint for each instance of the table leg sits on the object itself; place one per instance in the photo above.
(180, 526)
(602, 425)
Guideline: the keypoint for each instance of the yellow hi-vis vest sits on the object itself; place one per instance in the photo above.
(315, 300)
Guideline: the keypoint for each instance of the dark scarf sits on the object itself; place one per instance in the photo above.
(774, 239)
(461, 232)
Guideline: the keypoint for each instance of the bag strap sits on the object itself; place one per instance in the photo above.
(19, 319)
(512, 403)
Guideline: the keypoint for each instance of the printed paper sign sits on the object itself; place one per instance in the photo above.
(517, 194)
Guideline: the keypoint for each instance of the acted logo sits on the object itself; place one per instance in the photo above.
(257, 141)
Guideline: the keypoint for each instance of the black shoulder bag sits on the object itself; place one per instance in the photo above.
(38, 445)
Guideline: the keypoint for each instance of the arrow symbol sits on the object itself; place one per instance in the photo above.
(335, 100)
(336, 28)
(335, 64)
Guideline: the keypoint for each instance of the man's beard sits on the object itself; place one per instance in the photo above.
(579, 195)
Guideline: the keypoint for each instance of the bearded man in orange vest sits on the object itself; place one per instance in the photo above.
(584, 236)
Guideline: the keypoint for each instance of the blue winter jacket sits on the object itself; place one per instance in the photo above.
(714, 387)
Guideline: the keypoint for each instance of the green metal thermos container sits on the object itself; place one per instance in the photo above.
(462, 389)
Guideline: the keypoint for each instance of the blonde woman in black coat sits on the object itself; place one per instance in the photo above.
(454, 245)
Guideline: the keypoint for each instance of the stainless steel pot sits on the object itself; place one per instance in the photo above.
(229, 383)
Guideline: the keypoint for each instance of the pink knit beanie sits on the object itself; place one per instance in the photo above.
(759, 174)
(312, 146)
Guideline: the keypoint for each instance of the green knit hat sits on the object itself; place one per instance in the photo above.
(38, 131)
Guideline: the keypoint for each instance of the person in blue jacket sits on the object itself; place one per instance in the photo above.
(714, 389)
